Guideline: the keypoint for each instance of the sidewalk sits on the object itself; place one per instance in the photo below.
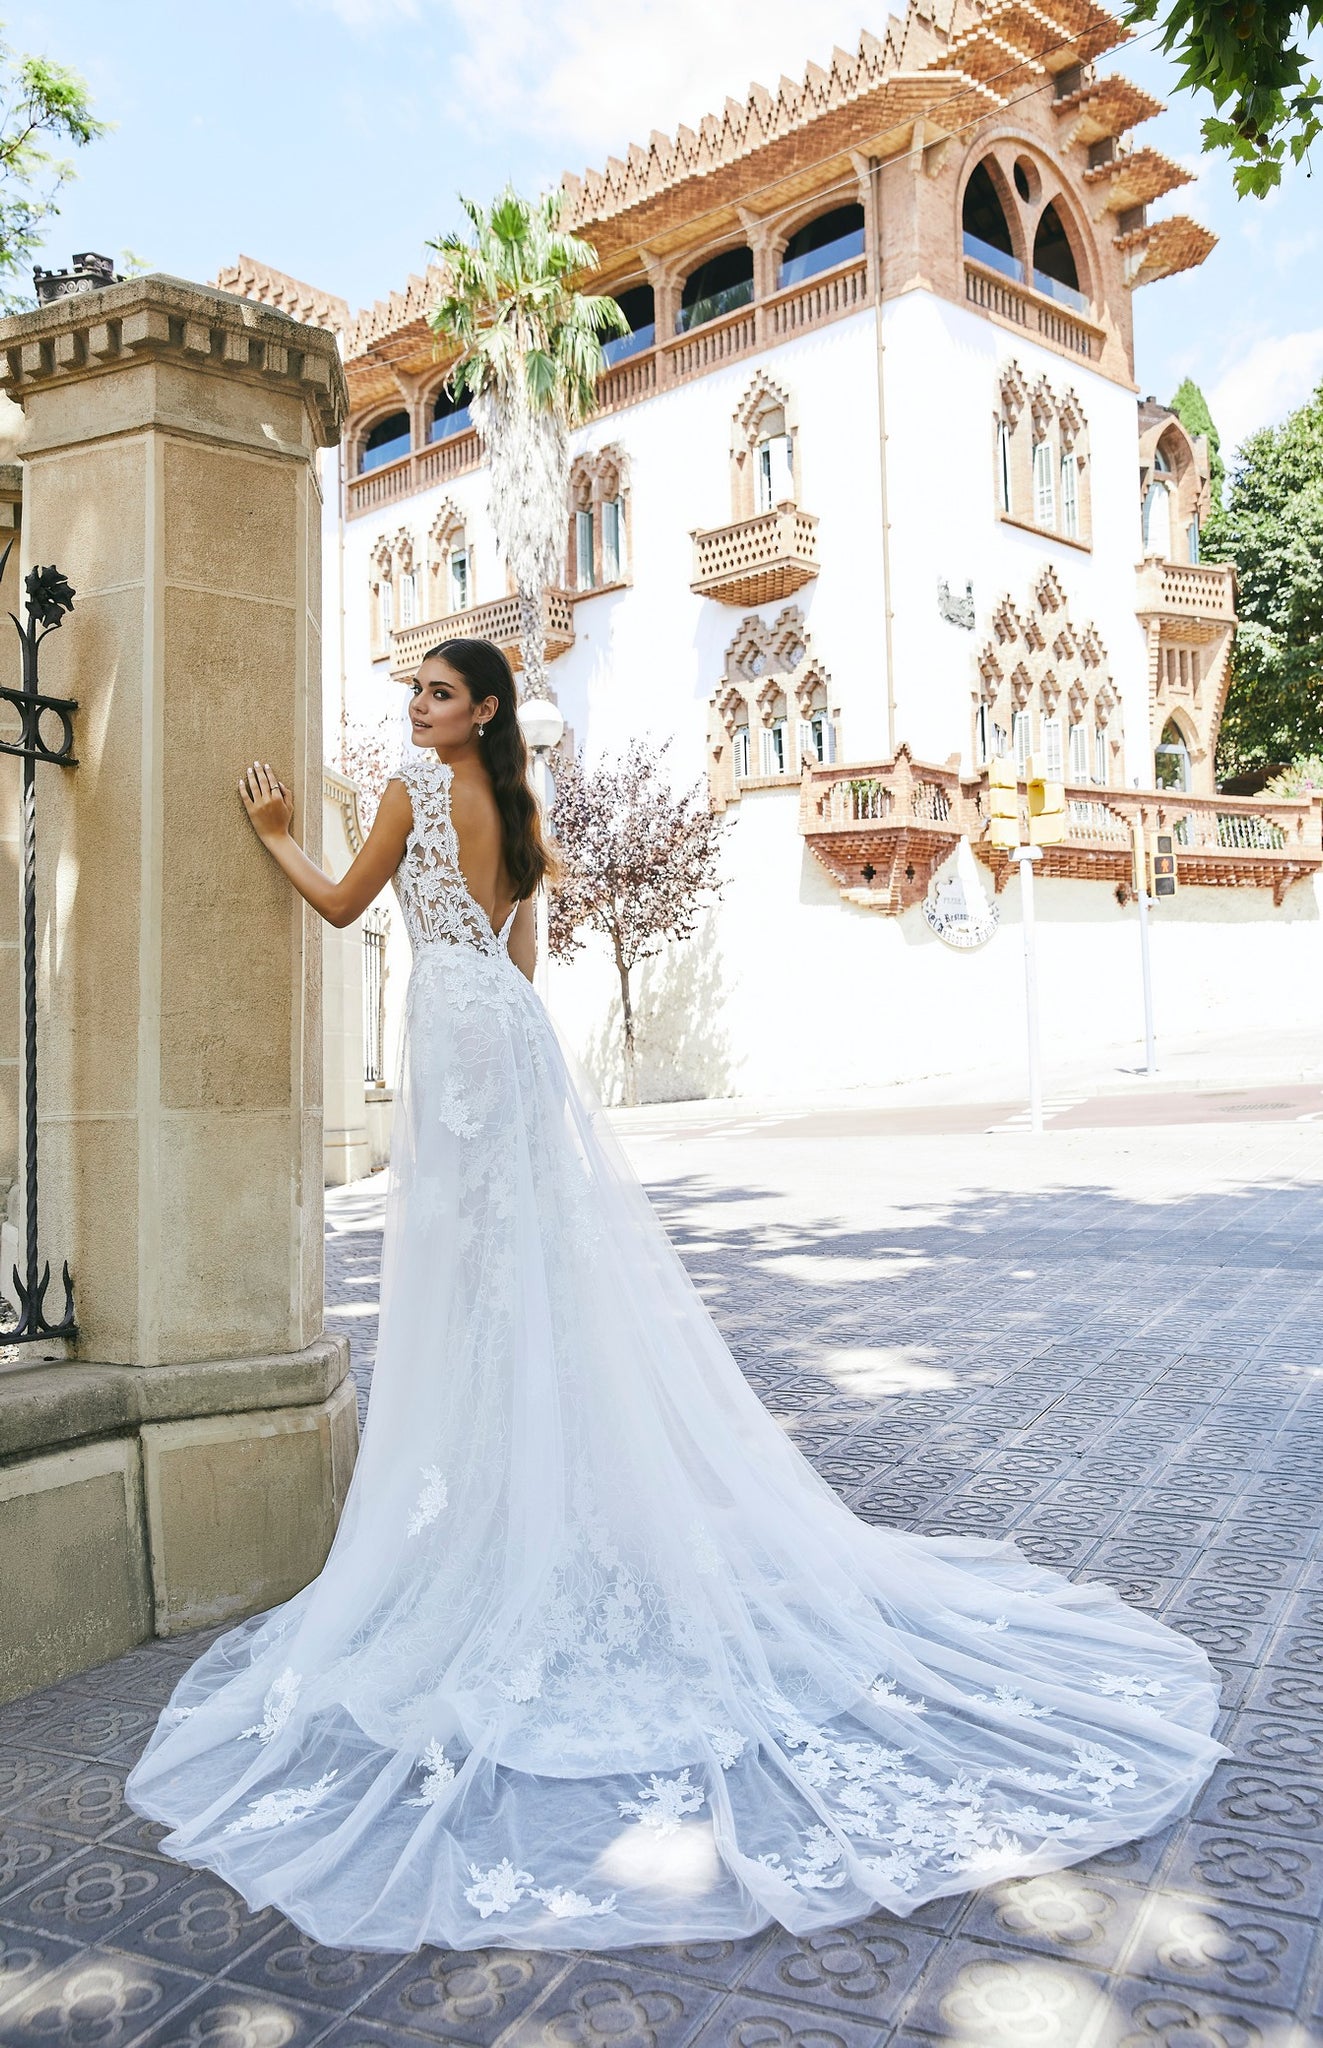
(1248, 1060)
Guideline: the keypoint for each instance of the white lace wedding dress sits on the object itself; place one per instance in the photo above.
(596, 1657)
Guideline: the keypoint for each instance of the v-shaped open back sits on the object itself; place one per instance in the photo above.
(437, 901)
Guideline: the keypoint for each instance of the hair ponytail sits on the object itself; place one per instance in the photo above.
(487, 673)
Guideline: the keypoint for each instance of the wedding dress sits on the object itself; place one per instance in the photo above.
(596, 1657)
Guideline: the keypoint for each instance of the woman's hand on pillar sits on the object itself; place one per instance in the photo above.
(270, 806)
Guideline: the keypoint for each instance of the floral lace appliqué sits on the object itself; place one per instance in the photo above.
(274, 1809)
(822, 1854)
(1135, 1689)
(438, 1775)
(497, 1889)
(665, 1803)
(279, 1704)
(431, 1502)
(727, 1745)
(884, 1694)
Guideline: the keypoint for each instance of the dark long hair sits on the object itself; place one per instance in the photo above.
(487, 673)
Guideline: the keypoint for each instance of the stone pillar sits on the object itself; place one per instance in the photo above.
(170, 461)
(170, 472)
(345, 1149)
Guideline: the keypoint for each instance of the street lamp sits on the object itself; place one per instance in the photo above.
(543, 727)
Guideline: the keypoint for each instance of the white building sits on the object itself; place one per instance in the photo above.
(867, 500)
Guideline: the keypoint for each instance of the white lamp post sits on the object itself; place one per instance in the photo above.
(541, 723)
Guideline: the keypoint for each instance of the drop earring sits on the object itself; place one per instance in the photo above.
(481, 730)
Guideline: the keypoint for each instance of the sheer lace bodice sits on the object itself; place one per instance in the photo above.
(434, 896)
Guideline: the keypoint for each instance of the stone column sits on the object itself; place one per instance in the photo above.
(170, 472)
(172, 432)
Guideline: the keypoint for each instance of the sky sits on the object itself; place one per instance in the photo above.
(330, 138)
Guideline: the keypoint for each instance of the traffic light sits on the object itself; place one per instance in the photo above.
(1003, 802)
(1162, 858)
(1047, 806)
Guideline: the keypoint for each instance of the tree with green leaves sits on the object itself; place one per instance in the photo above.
(529, 353)
(1250, 57)
(41, 103)
(1272, 529)
(1191, 409)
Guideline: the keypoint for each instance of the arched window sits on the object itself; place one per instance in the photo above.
(721, 285)
(459, 573)
(830, 239)
(639, 309)
(742, 757)
(987, 234)
(775, 743)
(1157, 521)
(450, 415)
(1054, 262)
(1171, 760)
(386, 442)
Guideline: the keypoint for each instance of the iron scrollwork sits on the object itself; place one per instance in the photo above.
(48, 597)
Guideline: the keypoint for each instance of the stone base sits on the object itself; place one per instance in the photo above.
(149, 1500)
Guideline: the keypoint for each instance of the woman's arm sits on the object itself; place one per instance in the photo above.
(522, 942)
(270, 808)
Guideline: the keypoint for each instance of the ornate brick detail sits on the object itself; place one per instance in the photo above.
(756, 561)
(497, 621)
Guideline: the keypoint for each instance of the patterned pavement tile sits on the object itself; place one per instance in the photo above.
(111, 2001)
(1251, 1870)
(868, 1967)
(227, 2015)
(27, 1959)
(1142, 2015)
(294, 1966)
(601, 2001)
(1233, 1951)
(199, 1925)
(1072, 1914)
(93, 1895)
(742, 2021)
(984, 1998)
(467, 1999)
(83, 1799)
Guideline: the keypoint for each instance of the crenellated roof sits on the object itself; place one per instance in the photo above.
(249, 279)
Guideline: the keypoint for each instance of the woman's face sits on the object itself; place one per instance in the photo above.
(443, 714)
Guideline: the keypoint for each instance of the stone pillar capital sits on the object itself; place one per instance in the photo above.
(165, 331)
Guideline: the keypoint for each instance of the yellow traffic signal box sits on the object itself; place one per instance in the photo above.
(1003, 802)
(1048, 823)
(1162, 859)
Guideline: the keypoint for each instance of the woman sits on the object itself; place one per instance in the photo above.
(596, 1657)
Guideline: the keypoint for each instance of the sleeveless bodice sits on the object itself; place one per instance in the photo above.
(434, 896)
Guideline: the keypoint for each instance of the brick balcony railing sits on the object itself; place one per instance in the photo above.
(1006, 300)
(497, 620)
(435, 464)
(758, 560)
(881, 828)
(1187, 590)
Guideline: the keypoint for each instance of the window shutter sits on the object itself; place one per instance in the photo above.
(612, 531)
(829, 740)
(1070, 503)
(1044, 505)
(1020, 738)
(1050, 728)
(1099, 756)
(583, 551)
(387, 609)
(406, 599)
(808, 747)
(1079, 754)
(1004, 465)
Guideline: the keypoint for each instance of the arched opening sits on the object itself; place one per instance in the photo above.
(721, 285)
(1171, 759)
(639, 308)
(450, 415)
(1055, 274)
(987, 232)
(832, 238)
(386, 442)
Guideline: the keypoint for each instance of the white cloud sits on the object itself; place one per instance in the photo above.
(1275, 375)
(600, 74)
(368, 15)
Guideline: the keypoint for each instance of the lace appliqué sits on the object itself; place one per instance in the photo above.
(1009, 1701)
(665, 1803)
(438, 1775)
(1136, 1690)
(274, 1809)
(727, 1746)
(884, 1694)
(498, 1889)
(822, 1853)
(431, 1502)
(430, 883)
(279, 1704)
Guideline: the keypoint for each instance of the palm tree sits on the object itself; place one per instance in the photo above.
(529, 356)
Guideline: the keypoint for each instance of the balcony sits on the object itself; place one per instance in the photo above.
(758, 560)
(881, 829)
(435, 464)
(497, 621)
(1201, 595)
(998, 292)
(1222, 842)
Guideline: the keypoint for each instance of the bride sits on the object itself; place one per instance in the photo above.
(596, 1657)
